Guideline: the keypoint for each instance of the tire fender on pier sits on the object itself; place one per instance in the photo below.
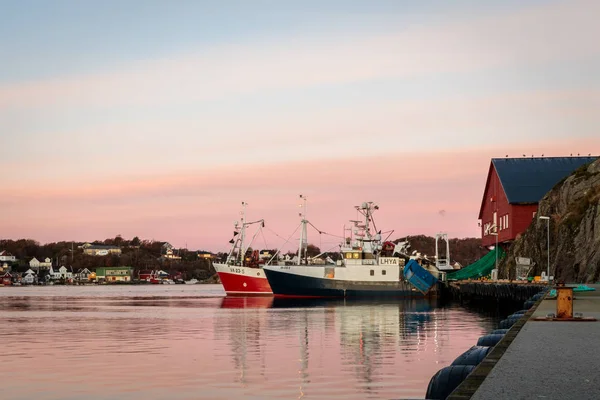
(528, 304)
(473, 356)
(508, 322)
(490, 340)
(446, 380)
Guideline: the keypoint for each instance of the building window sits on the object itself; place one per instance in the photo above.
(506, 221)
(383, 272)
(372, 273)
(502, 223)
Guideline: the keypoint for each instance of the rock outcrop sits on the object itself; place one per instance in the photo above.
(573, 206)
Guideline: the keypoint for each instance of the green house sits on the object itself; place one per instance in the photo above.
(114, 274)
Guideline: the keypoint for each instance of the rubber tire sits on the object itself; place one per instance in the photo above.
(508, 322)
(499, 332)
(446, 380)
(489, 340)
(528, 304)
(473, 356)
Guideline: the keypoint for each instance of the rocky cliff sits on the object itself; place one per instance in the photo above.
(574, 209)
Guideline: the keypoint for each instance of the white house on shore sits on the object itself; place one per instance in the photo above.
(5, 256)
(100, 250)
(35, 263)
(61, 273)
(84, 275)
(29, 277)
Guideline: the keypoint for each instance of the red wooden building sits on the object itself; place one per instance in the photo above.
(513, 189)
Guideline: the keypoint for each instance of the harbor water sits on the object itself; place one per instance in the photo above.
(189, 342)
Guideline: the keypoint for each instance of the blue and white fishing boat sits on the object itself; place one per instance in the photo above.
(367, 268)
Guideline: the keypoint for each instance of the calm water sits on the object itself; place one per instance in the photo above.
(189, 342)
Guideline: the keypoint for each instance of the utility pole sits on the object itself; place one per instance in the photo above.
(548, 244)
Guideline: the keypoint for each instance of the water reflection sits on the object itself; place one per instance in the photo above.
(195, 345)
(382, 344)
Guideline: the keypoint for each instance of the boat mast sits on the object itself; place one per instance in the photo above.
(368, 221)
(243, 233)
(303, 230)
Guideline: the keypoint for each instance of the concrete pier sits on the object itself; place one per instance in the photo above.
(550, 360)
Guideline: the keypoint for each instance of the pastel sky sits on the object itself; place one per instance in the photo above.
(158, 118)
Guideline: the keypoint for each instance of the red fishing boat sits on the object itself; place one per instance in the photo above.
(241, 275)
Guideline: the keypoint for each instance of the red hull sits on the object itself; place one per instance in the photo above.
(244, 285)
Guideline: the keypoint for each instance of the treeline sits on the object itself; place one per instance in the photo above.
(136, 253)
(148, 254)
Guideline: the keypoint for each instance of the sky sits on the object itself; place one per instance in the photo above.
(157, 119)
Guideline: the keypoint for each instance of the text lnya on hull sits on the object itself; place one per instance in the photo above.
(369, 268)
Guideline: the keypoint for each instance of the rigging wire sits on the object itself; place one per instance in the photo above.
(287, 240)
(274, 233)
(388, 236)
(323, 232)
(264, 239)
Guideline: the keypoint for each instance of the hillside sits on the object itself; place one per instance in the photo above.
(144, 254)
(573, 207)
(136, 253)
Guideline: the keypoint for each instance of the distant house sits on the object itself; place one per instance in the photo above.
(62, 272)
(35, 263)
(206, 254)
(6, 278)
(100, 250)
(114, 274)
(513, 189)
(145, 275)
(5, 256)
(84, 275)
(153, 275)
(29, 277)
(168, 252)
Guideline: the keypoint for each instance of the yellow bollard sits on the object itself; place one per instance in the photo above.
(564, 302)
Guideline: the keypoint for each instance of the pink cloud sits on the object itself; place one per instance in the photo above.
(199, 208)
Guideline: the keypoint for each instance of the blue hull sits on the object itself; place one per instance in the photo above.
(419, 277)
(291, 285)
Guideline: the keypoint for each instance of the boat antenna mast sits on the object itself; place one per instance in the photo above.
(363, 231)
(242, 251)
(303, 239)
(238, 243)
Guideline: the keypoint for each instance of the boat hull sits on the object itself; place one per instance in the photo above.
(286, 284)
(243, 281)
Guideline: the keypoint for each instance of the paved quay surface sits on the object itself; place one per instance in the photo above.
(551, 360)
